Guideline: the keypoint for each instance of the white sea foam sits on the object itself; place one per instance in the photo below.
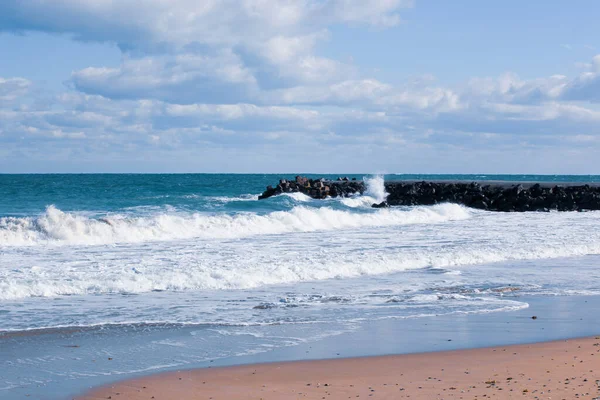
(376, 188)
(297, 196)
(224, 254)
(374, 194)
(357, 201)
(170, 268)
(58, 227)
(226, 199)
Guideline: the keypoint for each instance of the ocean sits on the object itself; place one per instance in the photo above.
(123, 256)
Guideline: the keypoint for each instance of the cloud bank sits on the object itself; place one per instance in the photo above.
(224, 85)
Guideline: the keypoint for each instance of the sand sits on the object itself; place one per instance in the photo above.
(554, 370)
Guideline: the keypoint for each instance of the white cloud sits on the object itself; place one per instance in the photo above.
(238, 111)
(340, 93)
(372, 94)
(13, 88)
(248, 74)
(285, 49)
(185, 78)
(586, 87)
(548, 111)
(211, 51)
(509, 88)
(435, 99)
(181, 22)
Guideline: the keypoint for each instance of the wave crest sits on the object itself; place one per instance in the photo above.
(58, 227)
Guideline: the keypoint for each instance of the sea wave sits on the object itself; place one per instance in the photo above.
(299, 197)
(374, 194)
(226, 199)
(58, 227)
(158, 272)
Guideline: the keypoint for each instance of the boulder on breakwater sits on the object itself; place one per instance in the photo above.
(492, 196)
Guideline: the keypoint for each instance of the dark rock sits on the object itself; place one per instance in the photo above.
(481, 204)
(302, 181)
(536, 190)
(270, 192)
(383, 204)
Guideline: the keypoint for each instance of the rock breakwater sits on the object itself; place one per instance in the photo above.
(499, 196)
(492, 196)
(316, 188)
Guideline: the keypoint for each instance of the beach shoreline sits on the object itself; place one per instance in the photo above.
(95, 359)
(557, 319)
(565, 368)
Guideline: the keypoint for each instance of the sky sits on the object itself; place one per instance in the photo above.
(323, 86)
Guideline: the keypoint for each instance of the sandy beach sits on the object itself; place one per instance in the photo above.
(568, 369)
(92, 359)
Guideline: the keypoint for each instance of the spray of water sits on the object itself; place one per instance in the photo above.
(376, 188)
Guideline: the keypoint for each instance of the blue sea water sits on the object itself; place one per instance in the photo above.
(113, 253)
(27, 195)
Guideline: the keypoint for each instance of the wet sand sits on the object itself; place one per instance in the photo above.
(568, 369)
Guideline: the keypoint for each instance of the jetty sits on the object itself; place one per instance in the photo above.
(484, 195)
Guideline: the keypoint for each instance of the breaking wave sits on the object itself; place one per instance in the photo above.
(161, 273)
(225, 199)
(297, 196)
(374, 194)
(58, 227)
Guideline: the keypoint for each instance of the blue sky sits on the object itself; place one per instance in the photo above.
(300, 85)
